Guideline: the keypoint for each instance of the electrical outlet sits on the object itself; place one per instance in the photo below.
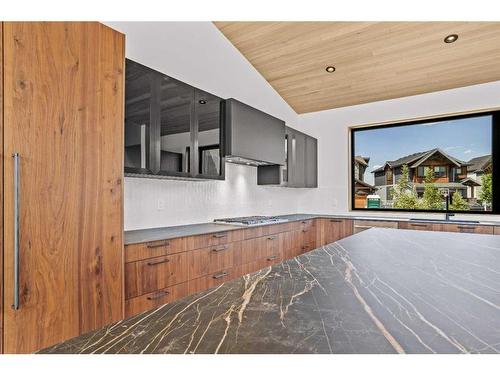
(160, 204)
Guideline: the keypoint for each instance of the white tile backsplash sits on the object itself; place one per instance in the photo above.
(189, 202)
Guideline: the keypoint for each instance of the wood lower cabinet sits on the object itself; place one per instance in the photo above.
(496, 230)
(63, 115)
(134, 306)
(361, 225)
(213, 259)
(467, 228)
(192, 264)
(436, 227)
(332, 230)
(155, 273)
(419, 226)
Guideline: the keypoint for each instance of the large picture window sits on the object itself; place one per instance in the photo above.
(443, 164)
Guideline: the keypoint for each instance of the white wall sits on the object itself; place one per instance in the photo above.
(331, 129)
(197, 53)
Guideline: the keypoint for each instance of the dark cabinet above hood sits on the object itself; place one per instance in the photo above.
(252, 137)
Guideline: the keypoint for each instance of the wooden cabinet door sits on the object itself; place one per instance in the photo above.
(335, 229)
(291, 244)
(63, 114)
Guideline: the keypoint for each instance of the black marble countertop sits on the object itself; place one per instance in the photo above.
(379, 291)
(166, 233)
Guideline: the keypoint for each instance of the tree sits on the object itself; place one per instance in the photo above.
(404, 196)
(458, 203)
(486, 195)
(432, 198)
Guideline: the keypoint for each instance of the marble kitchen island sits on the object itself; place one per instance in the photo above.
(379, 291)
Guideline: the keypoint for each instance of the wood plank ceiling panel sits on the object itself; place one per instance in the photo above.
(373, 60)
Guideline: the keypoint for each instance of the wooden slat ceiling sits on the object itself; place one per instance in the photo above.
(373, 60)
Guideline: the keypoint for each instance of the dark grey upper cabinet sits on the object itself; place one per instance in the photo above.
(172, 129)
(311, 162)
(252, 136)
(296, 158)
(301, 169)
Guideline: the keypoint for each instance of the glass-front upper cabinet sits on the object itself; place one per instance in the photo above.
(177, 128)
(210, 163)
(137, 118)
(171, 128)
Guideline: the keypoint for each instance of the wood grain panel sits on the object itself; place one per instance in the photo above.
(63, 98)
(140, 251)
(466, 228)
(157, 298)
(153, 274)
(332, 230)
(291, 244)
(213, 259)
(361, 225)
(212, 280)
(419, 226)
(373, 60)
(213, 239)
(496, 230)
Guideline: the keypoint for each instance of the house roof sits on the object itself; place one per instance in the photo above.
(479, 163)
(415, 159)
(362, 183)
(364, 160)
(469, 182)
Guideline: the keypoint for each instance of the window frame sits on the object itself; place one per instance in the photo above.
(495, 152)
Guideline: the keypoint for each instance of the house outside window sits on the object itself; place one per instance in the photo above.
(439, 171)
(421, 171)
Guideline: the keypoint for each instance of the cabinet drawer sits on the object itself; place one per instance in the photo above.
(214, 258)
(154, 274)
(155, 299)
(213, 279)
(259, 248)
(496, 230)
(361, 225)
(419, 226)
(466, 228)
(334, 229)
(147, 250)
(212, 239)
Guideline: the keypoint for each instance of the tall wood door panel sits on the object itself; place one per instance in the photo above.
(63, 115)
(1, 187)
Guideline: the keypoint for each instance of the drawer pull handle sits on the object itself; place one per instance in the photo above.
(305, 230)
(271, 238)
(466, 227)
(219, 248)
(159, 245)
(420, 225)
(158, 262)
(272, 258)
(158, 295)
(305, 247)
(221, 235)
(335, 221)
(220, 275)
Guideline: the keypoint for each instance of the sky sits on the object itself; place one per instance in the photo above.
(463, 139)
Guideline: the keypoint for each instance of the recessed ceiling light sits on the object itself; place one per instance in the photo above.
(330, 69)
(201, 101)
(451, 38)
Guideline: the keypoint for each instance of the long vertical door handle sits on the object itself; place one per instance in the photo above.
(16, 158)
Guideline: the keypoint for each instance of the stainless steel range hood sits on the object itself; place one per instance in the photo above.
(252, 137)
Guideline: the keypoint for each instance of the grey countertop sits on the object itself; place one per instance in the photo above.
(165, 233)
(379, 291)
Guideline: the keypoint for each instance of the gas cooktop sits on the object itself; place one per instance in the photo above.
(251, 220)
